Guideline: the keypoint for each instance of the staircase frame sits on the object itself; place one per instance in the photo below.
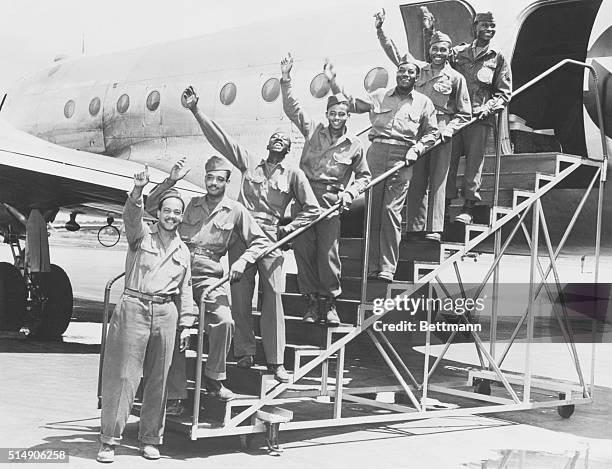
(570, 394)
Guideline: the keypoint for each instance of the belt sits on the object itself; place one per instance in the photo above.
(206, 253)
(335, 188)
(265, 218)
(159, 298)
(391, 141)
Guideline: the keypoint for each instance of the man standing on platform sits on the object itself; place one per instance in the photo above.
(404, 125)
(329, 158)
(212, 224)
(268, 186)
(448, 91)
(142, 329)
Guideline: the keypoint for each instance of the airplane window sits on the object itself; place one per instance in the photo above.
(228, 93)
(375, 79)
(270, 90)
(153, 101)
(94, 106)
(123, 103)
(69, 109)
(319, 86)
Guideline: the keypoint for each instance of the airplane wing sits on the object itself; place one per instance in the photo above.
(36, 173)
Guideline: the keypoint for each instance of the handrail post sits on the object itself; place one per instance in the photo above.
(107, 290)
(365, 251)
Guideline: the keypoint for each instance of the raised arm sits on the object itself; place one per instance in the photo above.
(133, 211)
(356, 105)
(178, 172)
(386, 42)
(291, 105)
(217, 137)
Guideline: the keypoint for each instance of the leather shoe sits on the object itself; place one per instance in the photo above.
(386, 276)
(150, 451)
(435, 237)
(106, 453)
(280, 374)
(246, 361)
(174, 407)
(216, 389)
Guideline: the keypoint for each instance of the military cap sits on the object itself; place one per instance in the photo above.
(336, 99)
(439, 36)
(216, 163)
(486, 16)
(404, 60)
(171, 194)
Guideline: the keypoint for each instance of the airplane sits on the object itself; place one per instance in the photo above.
(72, 135)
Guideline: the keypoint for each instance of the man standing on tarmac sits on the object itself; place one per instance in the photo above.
(448, 91)
(268, 186)
(212, 224)
(329, 158)
(404, 125)
(141, 333)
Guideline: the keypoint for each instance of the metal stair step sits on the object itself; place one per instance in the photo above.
(295, 304)
(409, 250)
(520, 162)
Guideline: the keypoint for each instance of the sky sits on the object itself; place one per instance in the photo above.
(34, 32)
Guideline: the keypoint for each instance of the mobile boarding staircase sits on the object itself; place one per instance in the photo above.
(512, 188)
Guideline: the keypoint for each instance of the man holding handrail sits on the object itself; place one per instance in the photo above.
(489, 81)
(331, 155)
(212, 224)
(142, 329)
(448, 91)
(268, 186)
(404, 125)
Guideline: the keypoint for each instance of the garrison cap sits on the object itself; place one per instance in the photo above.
(216, 163)
(439, 36)
(171, 194)
(404, 60)
(485, 16)
(338, 98)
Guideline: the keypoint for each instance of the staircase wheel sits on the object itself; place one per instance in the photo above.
(482, 386)
(12, 297)
(565, 411)
(55, 286)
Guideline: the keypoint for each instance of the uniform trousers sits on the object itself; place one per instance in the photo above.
(218, 325)
(388, 199)
(470, 142)
(317, 252)
(272, 321)
(139, 344)
(427, 191)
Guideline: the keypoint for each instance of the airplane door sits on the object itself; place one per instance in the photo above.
(452, 17)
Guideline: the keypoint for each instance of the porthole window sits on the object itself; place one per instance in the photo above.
(123, 103)
(153, 101)
(270, 90)
(228, 93)
(319, 86)
(375, 79)
(94, 106)
(69, 109)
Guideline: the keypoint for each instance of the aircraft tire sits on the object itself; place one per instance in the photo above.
(12, 297)
(482, 386)
(56, 287)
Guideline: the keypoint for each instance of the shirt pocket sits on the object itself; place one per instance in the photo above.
(220, 233)
(442, 90)
(381, 117)
(408, 123)
(252, 186)
(485, 73)
(149, 255)
(180, 263)
(278, 193)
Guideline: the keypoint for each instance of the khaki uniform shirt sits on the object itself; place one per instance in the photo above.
(409, 118)
(266, 191)
(324, 162)
(151, 268)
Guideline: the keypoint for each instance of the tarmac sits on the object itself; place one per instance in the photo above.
(48, 401)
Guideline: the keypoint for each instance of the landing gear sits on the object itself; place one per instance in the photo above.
(12, 297)
(51, 300)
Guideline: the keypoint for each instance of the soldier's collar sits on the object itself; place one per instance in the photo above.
(282, 163)
(393, 92)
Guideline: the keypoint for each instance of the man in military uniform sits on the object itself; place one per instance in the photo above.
(489, 81)
(404, 125)
(329, 158)
(142, 329)
(448, 91)
(268, 186)
(211, 225)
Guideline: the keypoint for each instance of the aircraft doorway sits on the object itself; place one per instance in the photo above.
(550, 33)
